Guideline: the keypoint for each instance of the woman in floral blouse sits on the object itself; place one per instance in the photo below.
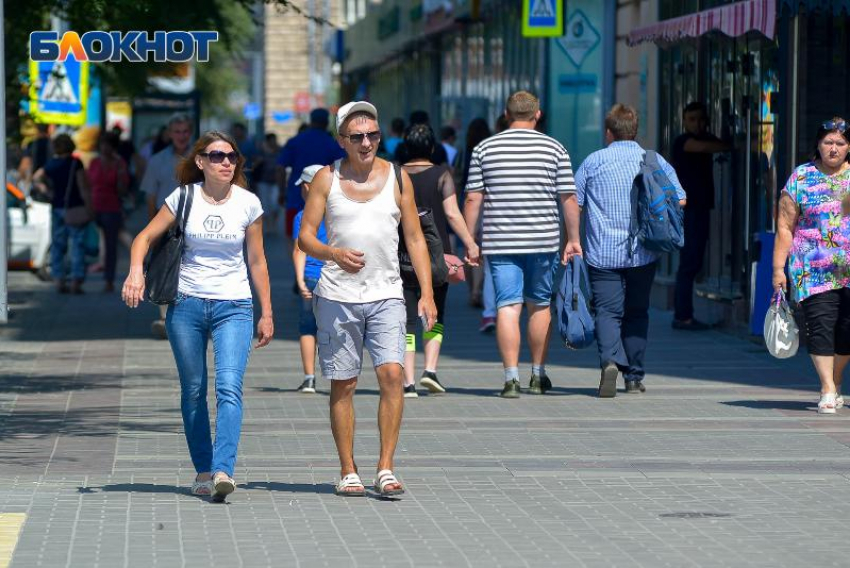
(814, 229)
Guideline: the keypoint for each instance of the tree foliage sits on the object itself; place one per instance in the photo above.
(233, 20)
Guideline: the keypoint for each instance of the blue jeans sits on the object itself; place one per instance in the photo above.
(621, 299)
(190, 322)
(61, 234)
(519, 278)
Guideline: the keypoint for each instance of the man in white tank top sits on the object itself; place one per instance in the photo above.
(359, 301)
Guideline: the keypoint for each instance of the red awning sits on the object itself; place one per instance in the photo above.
(733, 20)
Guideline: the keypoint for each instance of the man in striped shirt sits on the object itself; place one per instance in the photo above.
(522, 177)
(620, 278)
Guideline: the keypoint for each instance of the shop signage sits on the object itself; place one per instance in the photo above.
(580, 40)
(577, 83)
(542, 18)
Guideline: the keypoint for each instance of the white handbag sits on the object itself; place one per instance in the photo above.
(781, 335)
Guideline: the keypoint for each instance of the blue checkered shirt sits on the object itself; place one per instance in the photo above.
(604, 185)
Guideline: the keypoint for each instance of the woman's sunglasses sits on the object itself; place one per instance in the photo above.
(217, 156)
(358, 138)
(831, 125)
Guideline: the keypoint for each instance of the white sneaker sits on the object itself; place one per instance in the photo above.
(839, 401)
(827, 403)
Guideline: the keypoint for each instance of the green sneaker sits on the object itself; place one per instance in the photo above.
(511, 389)
(539, 384)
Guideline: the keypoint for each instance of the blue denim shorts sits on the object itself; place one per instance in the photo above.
(520, 278)
(345, 329)
(306, 318)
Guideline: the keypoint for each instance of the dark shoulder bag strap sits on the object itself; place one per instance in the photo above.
(397, 170)
(181, 206)
(190, 194)
(71, 173)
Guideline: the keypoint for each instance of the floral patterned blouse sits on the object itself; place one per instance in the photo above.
(820, 253)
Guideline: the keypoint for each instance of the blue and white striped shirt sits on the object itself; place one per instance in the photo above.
(604, 185)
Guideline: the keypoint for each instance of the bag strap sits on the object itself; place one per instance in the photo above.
(580, 276)
(71, 173)
(397, 170)
(182, 208)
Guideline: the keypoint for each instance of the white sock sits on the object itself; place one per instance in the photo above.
(511, 374)
(538, 370)
(309, 377)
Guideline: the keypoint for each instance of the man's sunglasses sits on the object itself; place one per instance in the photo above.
(374, 137)
(217, 156)
(831, 125)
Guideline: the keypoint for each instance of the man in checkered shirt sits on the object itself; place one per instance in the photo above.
(620, 279)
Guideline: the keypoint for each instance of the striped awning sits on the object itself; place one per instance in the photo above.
(733, 20)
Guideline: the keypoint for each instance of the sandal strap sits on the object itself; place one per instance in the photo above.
(386, 477)
(350, 480)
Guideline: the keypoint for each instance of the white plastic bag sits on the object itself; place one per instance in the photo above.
(781, 335)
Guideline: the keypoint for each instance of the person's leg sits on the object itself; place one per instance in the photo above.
(696, 227)
(842, 340)
(411, 303)
(508, 281)
(390, 409)
(187, 332)
(342, 422)
(308, 354)
(636, 318)
(232, 330)
(307, 335)
(433, 340)
(609, 296)
(385, 340)
(539, 273)
(77, 236)
(340, 338)
(822, 317)
(58, 248)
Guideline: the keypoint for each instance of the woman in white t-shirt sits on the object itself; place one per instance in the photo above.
(214, 299)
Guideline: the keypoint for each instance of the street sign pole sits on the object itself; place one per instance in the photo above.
(4, 216)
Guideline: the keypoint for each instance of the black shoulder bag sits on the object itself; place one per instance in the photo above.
(439, 270)
(162, 269)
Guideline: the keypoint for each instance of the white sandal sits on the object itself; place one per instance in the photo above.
(202, 488)
(827, 404)
(350, 480)
(386, 478)
(223, 486)
(839, 401)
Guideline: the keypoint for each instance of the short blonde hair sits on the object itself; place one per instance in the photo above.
(522, 105)
(622, 121)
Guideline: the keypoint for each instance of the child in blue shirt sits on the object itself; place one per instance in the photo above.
(308, 270)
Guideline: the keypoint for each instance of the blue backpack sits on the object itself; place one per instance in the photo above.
(657, 218)
(575, 323)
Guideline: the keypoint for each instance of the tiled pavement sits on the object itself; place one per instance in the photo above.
(722, 463)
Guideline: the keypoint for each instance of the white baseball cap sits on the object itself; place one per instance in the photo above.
(348, 109)
(308, 173)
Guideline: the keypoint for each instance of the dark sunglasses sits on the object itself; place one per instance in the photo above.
(830, 125)
(217, 156)
(358, 138)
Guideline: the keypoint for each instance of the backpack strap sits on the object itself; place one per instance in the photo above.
(637, 187)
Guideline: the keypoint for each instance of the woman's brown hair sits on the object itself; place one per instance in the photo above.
(188, 171)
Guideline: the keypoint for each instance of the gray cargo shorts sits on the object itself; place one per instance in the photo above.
(344, 329)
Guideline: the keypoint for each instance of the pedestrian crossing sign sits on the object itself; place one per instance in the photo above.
(59, 91)
(542, 18)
